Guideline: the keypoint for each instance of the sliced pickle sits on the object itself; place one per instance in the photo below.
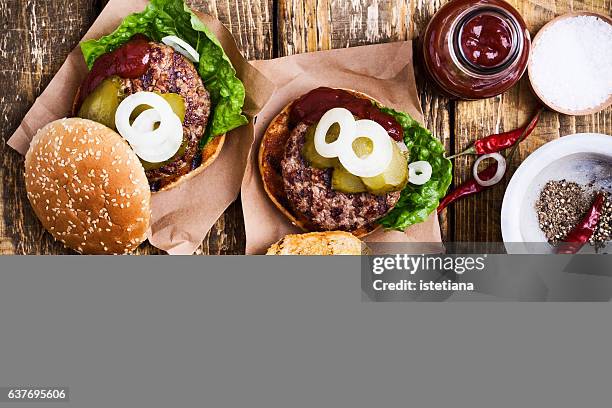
(393, 179)
(332, 133)
(101, 105)
(154, 166)
(176, 102)
(346, 182)
(309, 152)
(362, 146)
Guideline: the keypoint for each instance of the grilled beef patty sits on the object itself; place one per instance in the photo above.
(170, 72)
(309, 192)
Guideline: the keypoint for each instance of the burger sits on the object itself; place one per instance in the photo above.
(152, 112)
(338, 160)
(167, 60)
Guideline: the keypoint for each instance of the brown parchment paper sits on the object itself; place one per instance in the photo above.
(181, 217)
(383, 71)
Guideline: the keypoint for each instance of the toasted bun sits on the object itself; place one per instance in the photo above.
(271, 153)
(209, 154)
(319, 243)
(87, 187)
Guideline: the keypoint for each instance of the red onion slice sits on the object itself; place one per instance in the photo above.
(501, 169)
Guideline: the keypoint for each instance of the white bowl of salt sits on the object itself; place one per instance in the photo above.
(570, 69)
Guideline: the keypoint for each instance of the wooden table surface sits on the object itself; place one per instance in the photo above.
(38, 34)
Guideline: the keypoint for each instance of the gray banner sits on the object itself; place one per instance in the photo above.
(29, 393)
(452, 277)
(283, 332)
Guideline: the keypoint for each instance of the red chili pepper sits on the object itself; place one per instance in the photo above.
(582, 232)
(469, 187)
(498, 142)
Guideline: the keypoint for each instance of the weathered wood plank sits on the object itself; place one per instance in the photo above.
(438, 110)
(251, 23)
(310, 25)
(38, 36)
(478, 218)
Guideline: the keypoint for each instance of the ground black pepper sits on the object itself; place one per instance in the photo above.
(603, 232)
(562, 204)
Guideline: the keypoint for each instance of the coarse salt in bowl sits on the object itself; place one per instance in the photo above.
(571, 63)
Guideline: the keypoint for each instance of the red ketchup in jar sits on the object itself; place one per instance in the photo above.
(475, 49)
(131, 60)
(309, 108)
(486, 40)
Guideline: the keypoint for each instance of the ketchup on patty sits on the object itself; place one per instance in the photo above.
(131, 60)
(309, 108)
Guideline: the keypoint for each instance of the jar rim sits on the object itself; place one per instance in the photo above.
(457, 51)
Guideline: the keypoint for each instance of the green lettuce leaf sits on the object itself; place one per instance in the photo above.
(173, 17)
(418, 202)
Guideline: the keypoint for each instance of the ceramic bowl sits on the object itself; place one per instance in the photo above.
(534, 85)
(582, 158)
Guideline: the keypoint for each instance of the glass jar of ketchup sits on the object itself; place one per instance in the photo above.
(474, 49)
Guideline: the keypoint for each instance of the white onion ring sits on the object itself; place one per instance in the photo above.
(374, 163)
(152, 145)
(182, 47)
(145, 122)
(501, 169)
(402, 146)
(344, 118)
(127, 106)
(162, 152)
(422, 167)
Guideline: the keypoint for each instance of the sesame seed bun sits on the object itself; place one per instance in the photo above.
(87, 187)
(271, 153)
(319, 243)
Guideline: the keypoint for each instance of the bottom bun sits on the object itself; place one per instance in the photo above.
(319, 243)
(211, 151)
(271, 153)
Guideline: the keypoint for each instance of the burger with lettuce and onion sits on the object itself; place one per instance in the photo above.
(164, 83)
(338, 160)
(153, 111)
